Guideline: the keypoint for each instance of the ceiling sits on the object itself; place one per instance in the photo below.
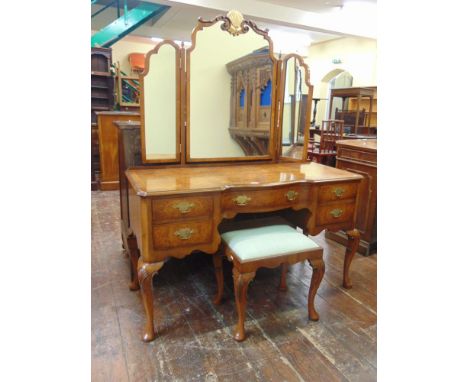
(308, 21)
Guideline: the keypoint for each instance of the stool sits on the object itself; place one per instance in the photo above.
(266, 246)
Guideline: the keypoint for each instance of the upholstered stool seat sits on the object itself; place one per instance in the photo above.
(266, 245)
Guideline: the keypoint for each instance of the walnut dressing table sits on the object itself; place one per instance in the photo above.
(175, 211)
(201, 175)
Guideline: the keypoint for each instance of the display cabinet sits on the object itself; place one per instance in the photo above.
(251, 83)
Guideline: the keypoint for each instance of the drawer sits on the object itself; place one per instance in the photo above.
(335, 213)
(344, 153)
(181, 208)
(282, 197)
(172, 235)
(337, 192)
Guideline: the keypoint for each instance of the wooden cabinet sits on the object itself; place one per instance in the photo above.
(251, 84)
(358, 111)
(360, 156)
(108, 146)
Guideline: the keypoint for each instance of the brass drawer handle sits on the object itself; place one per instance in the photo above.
(291, 195)
(184, 233)
(338, 192)
(242, 200)
(336, 213)
(184, 206)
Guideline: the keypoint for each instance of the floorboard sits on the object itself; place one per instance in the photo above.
(194, 337)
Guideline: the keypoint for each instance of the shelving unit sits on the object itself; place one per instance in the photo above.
(102, 81)
(102, 99)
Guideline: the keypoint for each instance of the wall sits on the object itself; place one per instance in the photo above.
(358, 56)
(122, 48)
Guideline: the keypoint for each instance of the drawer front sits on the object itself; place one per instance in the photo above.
(166, 236)
(337, 192)
(335, 213)
(344, 153)
(182, 208)
(282, 197)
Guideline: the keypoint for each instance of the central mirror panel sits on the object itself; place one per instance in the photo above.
(160, 104)
(230, 91)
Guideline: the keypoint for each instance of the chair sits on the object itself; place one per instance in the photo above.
(270, 246)
(325, 152)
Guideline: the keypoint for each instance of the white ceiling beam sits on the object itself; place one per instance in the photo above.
(338, 23)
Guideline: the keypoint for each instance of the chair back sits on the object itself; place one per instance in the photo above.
(332, 130)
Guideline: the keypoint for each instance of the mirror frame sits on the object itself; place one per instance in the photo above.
(310, 87)
(178, 66)
(234, 24)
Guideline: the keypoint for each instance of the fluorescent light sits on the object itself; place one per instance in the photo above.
(156, 39)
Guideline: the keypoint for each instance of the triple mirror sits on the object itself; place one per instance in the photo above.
(218, 99)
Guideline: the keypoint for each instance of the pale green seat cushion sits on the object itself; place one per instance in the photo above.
(266, 242)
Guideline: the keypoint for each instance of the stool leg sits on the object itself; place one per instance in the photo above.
(284, 269)
(241, 283)
(318, 267)
(218, 266)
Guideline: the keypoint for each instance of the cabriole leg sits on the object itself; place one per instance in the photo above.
(241, 283)
(146, 271)
(351, 248)
(318, 267)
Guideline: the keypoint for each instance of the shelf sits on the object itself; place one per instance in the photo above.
(101, 74)
(100, 86)
(106, 97)
(100, 107)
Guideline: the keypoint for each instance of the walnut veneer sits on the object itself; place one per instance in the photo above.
(175, 211)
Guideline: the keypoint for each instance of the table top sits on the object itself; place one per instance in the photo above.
(366, 144)
(127, 124)
(164, 181)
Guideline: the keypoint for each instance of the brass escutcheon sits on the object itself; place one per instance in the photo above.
(184, 206)
(336, 213)
(338, 191)
(242, 200)
(291, 195)
(184, 233)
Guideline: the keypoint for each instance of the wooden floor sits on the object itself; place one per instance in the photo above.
(194, 342)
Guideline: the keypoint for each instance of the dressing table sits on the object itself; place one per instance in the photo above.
(200, 176)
